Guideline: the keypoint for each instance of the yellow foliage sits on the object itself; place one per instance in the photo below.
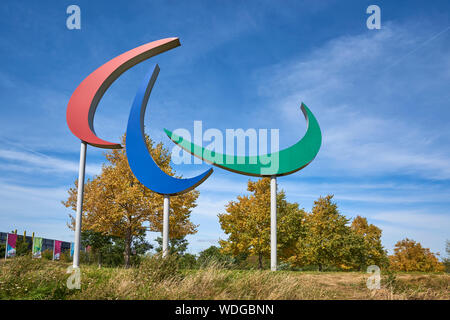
(247, 222)
(116, 203)
(411, 256)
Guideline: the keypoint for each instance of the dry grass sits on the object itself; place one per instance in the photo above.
(30, 279)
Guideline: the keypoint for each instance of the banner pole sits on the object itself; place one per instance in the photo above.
(6, 246)
(166, 226)
(76, 253)
(53, 257)
(273, 223)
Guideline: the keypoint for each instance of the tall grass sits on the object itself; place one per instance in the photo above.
(157, 278)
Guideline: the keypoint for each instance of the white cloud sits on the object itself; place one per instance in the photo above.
(370, 104)
(414, 219)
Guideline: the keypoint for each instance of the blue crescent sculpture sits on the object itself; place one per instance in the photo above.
(139, 159)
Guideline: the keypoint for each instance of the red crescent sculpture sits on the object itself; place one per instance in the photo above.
(84, 100)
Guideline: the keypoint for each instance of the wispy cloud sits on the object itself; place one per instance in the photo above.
(42, 162)
(414, 219)
(369, 123)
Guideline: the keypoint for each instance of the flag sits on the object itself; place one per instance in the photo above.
(57, 250)
(11, 245)
(72, 248)
(37, 247)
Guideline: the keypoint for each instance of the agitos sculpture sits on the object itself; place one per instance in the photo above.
(80, 116)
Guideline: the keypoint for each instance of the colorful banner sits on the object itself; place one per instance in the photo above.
(57, 249)
(37, 247)
(11, 245)
(72, 248)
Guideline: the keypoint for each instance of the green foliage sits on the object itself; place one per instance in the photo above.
(47, 254)
(187, 261)
(327, 239)
(109, 250)
(214, 254)
(177, 246)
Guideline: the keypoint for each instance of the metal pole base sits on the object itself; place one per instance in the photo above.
(165, 246)
(273, 223)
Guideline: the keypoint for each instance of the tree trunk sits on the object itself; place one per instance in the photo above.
(127, 252)
(320, 267)
(260, 261)
(100, 259)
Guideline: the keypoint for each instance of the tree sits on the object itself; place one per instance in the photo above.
(212, 253)
(409, 255)
(98, 242)
(176, 246)
(447, 260)
(117, 204)
(367, 248)
(327, 239)
(247, 222)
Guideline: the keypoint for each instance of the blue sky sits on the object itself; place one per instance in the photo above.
(380, 96)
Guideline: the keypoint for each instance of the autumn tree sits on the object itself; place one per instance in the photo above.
(327, 239)
(117, 204)
(247, 223)
(447, 260)
(366, 247)
(409, 255)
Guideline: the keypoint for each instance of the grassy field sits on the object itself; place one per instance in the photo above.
(24, 278)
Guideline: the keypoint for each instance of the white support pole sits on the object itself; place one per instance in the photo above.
(76, 252)
(166, 225)
(273, 223)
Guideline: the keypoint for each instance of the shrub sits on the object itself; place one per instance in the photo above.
(156, 268)
(214, 254)
(65, 256)
(187, 261)
(47, 254)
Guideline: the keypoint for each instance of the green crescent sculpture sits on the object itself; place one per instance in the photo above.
(279, 163)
